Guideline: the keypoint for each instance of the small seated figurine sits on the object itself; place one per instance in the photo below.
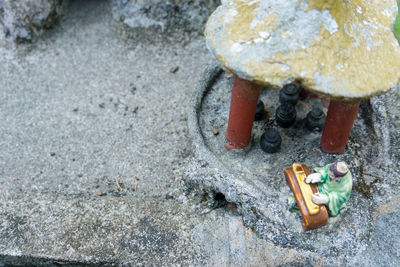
(320, 194)
(334, 186)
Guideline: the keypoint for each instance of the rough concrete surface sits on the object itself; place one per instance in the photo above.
(94, 149)
(25, 20)
(164, 15)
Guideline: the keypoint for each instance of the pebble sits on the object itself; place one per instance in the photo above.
(215, 131)
(174, 69)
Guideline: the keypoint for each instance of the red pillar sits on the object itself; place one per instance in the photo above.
(338, 124)
(242, 111)
(325, 102)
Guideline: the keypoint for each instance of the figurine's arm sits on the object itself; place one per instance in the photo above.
(314, 178)
(318, 198)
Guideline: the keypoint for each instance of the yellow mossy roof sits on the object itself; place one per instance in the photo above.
(338, 49)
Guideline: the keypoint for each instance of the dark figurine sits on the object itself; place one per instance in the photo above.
(259, 111)
(315, 120)
(290, 93)
(270, 141)
(285, 115)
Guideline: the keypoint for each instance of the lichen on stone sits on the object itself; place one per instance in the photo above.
(338, 49)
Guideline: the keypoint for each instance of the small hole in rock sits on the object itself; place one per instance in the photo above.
(219, 197)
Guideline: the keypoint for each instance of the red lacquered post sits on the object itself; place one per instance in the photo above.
(325, 102)
(242, 111)
(338, 124)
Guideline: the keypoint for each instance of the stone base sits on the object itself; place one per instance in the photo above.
(255, 181)
(164, 15)
(25, 19)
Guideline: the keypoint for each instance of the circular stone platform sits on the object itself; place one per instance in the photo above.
(255, 180)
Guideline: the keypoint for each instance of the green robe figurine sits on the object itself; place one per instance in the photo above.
(334, 183)
(334, 186)
(337, 190)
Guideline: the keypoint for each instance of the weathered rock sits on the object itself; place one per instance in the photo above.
(24, 19)
(338, 49)
(190, 15)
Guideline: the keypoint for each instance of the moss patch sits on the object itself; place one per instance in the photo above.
(397, 23)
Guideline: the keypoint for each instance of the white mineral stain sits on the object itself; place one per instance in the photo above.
(236, 48)
(264, 35)
(285, 68)
(303, 73)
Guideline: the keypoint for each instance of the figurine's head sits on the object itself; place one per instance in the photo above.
(338, 170)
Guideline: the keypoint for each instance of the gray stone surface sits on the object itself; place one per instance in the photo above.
(164, 15)
(25, 19)
(87, 106)
(255, 180)
(108, 110)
